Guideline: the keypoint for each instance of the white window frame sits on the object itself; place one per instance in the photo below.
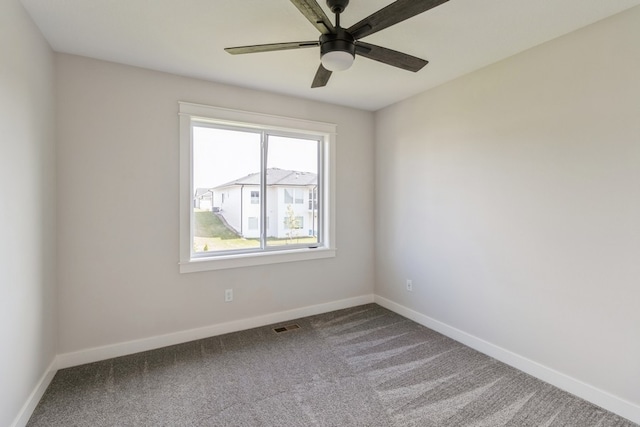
(189, 113)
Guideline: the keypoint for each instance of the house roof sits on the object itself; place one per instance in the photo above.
(277, 176)
(203, 192)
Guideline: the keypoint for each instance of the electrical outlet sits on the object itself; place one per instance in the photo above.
(228, 295)
(410, 285)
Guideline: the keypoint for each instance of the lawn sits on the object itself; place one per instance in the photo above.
(209, 224)
(213, 235)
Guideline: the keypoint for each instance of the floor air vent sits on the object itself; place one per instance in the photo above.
(286, 328)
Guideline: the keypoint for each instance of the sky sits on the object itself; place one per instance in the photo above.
(221, 156)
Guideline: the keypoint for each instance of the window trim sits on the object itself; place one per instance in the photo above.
(189, 112)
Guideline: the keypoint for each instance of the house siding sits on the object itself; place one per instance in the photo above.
(237, 209)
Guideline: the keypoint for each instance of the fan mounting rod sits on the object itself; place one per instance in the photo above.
(337, 7)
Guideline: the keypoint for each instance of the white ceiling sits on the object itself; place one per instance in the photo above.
(187, 37)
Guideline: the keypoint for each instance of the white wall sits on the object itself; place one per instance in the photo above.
(511, 197)
(27, 210)
(118, 257)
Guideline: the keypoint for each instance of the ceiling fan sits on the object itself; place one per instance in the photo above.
(339, 46)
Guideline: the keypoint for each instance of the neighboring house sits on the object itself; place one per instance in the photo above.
(203, 199)
(290, 195)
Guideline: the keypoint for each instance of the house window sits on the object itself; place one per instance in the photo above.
(239, 156)
(313, 199)
(294, 195)
(253, 223)
(288, 195)
(255, 197)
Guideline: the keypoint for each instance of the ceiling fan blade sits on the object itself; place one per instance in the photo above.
(270, 47)
(322, 77)
(390, 57)
(390, 15)
(314, 13)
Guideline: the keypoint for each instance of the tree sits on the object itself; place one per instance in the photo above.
(291, 223)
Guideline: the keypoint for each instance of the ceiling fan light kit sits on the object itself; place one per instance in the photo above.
(337, 60)
(339, 46)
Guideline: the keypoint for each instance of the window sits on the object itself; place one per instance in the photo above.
(238, 156)
(253, 223)
(313, 199)
(255, 197)
(294, 195)
(288, 195)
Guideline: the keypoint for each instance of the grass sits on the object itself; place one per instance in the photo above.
(272, 241)
(212, 233)
(209, 225)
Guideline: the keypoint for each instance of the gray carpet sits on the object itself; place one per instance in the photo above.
(363, 366)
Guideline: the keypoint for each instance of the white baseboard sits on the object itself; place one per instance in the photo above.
(583, 390)
(95, 354)
(30, 405)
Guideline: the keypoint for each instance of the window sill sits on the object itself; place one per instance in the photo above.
(249, 260)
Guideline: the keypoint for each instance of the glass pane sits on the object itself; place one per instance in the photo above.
(292, 174)
(288, 195)
(254, 223)
(226, 182)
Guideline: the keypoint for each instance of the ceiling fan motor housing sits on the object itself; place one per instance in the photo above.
(341, 40)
